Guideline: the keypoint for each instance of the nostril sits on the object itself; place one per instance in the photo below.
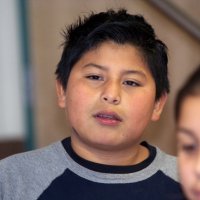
(111, 100)
(105, 98)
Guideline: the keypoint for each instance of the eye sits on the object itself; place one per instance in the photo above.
(94, 77)
(188, 148)
(131, 83)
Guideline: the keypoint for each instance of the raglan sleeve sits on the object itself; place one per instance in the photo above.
(1, 191)
(5, 173)
(1, 183)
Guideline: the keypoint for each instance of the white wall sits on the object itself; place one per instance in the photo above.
(11, 73)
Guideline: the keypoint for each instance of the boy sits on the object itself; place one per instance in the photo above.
(111, 81)
(187, 112)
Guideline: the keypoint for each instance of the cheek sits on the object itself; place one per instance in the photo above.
(140, 112)
(78, 101)
(185, 170)
(77, 95)
(142, 107)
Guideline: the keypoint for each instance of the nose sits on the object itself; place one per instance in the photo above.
(111, 93)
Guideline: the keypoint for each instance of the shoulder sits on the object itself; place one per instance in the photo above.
(31, 155)
(26, 175)
(167, 164)
(31, 161)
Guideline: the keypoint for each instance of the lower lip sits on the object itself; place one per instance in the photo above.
(196, 194)
(108, 122)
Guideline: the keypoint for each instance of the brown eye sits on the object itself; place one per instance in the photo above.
(131, 83)
(188, 148)
(94, 77)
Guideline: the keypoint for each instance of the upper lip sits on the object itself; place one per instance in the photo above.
(108, 115)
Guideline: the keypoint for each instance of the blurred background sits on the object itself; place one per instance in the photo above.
(30, 39)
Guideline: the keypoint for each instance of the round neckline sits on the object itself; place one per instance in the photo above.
(109, 169)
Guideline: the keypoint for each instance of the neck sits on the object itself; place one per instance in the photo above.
(109, 156)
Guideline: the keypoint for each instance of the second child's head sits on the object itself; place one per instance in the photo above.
(187, 114)
(112, 80)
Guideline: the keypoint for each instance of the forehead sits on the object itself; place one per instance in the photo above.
(190, 108)
(112, 54)
(190, 115)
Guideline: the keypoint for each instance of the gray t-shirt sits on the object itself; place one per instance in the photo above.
(56, 172)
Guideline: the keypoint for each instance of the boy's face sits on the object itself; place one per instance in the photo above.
(110, 98)
(188, 136)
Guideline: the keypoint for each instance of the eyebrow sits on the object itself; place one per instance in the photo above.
(186, 131)
(96, 65)
(125, 72)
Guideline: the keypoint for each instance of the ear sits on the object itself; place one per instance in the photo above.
(158, 107)
(60, 94)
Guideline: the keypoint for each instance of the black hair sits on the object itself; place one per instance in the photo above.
(121, 28)
(190, 88)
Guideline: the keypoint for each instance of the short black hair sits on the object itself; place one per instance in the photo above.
(190, 88)
(121, 28)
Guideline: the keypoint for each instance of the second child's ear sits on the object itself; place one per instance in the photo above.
(60, 94)
(158, 107)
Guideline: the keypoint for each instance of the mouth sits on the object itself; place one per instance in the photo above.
(108, 118)
(196, 193)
